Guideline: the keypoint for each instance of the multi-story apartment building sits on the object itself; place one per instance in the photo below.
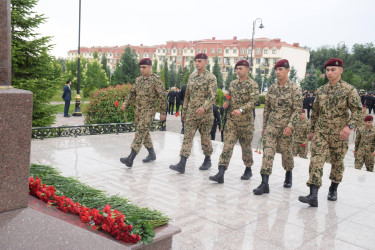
(265, 53)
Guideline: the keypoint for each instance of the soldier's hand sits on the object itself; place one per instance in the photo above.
(345, 133)
(311, 135)
(373, 154)
(200, 111)
(355, 153)
(226, 105)
(162, 117)
(263, 131)
(123, 107)
(287, 131)
(236, 112)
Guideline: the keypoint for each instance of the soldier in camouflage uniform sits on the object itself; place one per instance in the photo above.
(331, 126)
(197, 112)
(302, 131)
(240, 121)
(147, 89)
(365, 145)
(281, 112)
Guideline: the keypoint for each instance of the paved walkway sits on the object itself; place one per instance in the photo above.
(221, 216)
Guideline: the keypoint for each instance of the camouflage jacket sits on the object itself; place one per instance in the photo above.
(146, 92)
(283, 105)
(365, 139)
(243, 95)
(200, 92)
(302, 130)
(330, 111)
(361, 123)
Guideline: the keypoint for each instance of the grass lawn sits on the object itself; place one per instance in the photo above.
(59, 92)
(60, 107)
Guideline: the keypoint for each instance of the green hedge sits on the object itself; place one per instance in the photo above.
(262, 99)
(219, 98)
(102, 108)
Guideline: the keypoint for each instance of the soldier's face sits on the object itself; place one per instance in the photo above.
(281, 73)
(242, 71)
(302, 116)
(334, 73)
(364, 110)
(200, 64)
(145, 69)
(368, 124)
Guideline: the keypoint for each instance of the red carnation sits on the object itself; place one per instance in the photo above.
(177, 114)
(116, 103)
(303, 144)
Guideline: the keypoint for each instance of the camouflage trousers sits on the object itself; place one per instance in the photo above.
(300, 150)
(142, 132)
(320, 146)
(233, 131)
(364, 156)
(274, 139)
(190, 128)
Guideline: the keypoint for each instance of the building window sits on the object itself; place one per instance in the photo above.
(274, 51)
(258, 51)
(163, 50)
(199, 51)
(174, 50)
(234, 51)
(213, 51)
(250, 51)
(185, 50)
(192, 51)
(227, 51)
(265, 51)
(158, 50)
(179, 59)
(258, 61)
(205, 51)
(274, 61)
(219, 51)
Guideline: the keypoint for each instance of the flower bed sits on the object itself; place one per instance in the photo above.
(115, 215)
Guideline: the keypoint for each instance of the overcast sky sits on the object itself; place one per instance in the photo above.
(120, 22)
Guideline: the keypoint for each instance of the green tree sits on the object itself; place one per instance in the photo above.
(258, 78)
(166, 74)
(105, 66)
(229, 78)
(127, 68)
(96, 78)
(272, 78)
(208, 66)
(191, 65)
(172, 75)
(216, 70)
(180, 76)
(155, 66)
(310, 81)
(95, 55)
(185, 79)
(33, 68)
(71, 72)
(293, 74)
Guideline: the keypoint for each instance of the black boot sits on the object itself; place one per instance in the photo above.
(182, 130)
(128, 161)
(332, 193)
(206, 163)
(151, 155)
(180, 167)
(219, 177)
(288, 179)
(247, 174)
(312, 198)
(263, 187)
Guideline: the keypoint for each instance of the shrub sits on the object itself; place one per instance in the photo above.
(219, 98)
(102, 108)
(262, 99)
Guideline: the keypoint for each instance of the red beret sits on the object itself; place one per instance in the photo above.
(282, 63)
(364, 106)
(334, 62)
(201, 56)
(303, 111)
(368, 118)
(145, 61)
(242, 63)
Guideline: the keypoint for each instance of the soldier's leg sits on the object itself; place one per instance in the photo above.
(303, 151)
(269, 150)
(369, 162)
(205, 129)
(230, 140)
(142, 131)
(319, 149)
(338, 151)
(190, 127)
(359, 159)
(245, 136)
(295, 149)
(286, 152)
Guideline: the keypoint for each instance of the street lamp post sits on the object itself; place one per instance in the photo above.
(77, 111)
(252, 40)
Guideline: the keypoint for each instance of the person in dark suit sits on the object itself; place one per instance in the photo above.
(310, 103)
(178, 100)
(171, 100)
(67, 96)
(182, 96)
(368, 102)
(217, 121)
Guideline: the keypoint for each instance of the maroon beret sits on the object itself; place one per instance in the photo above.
(145, 61)
(334, 62)
(369, 118)
(282, 63)
(364, 106)
(303, 111)
(242, 63)
(201, 56)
